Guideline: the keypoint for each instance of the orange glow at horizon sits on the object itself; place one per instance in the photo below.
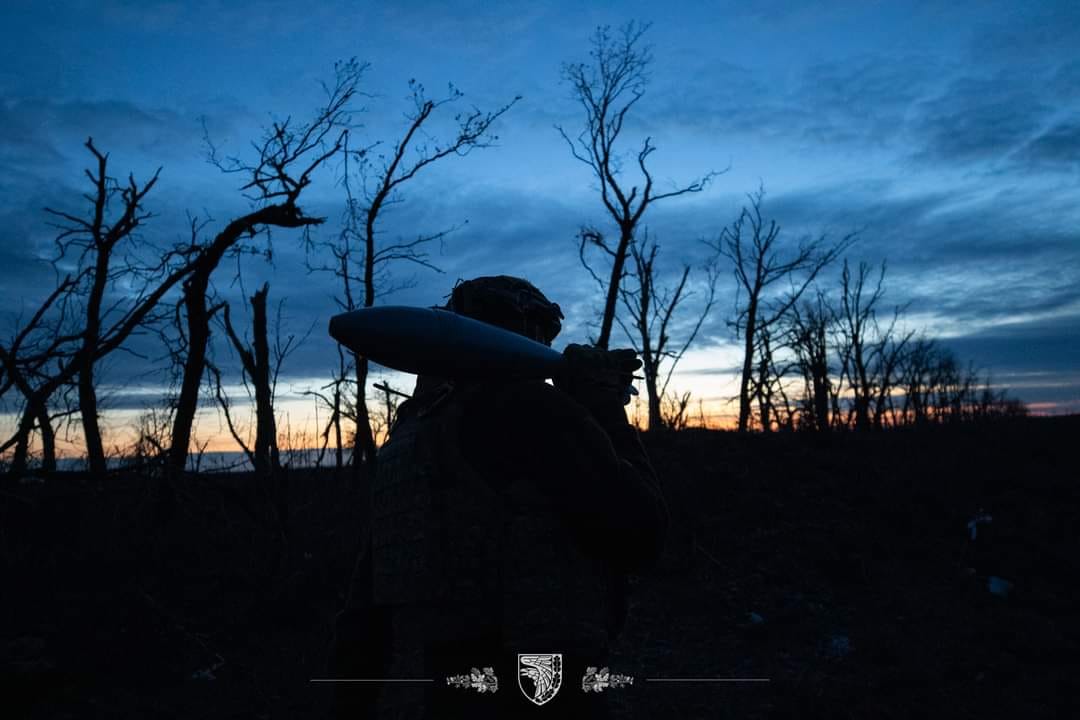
(300, 426)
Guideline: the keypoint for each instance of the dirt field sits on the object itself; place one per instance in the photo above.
(842, 570)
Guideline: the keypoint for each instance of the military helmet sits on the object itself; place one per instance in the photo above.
(510, 303)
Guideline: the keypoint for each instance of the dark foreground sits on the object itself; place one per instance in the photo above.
(843, 571)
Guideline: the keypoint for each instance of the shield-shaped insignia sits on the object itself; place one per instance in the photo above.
(543, 673)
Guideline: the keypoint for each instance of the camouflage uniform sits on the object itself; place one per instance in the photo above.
(504, 517)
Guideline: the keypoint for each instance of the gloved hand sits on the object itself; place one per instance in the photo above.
(598, 378)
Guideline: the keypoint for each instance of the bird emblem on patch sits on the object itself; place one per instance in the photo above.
(540, 676)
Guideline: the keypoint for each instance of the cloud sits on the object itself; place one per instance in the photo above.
(27, 241)
(781, 12)
(1029, 34)
(47, 135)
(917, 106)
(961, 257)
(978, 119)
(266, 19)
(954, 148)
(1050, 345)
(953, 253)
(864, 100)
(1065, 83)
(914, 106)
(1058, 148)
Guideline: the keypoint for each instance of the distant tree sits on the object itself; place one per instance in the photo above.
(361, 262)
(674, 408)
(916, 375)
(652, 310)
(751, 244)
(891, 347)
(607, 88)
(870, 353)
(854, 320)
(332, 396)
(807, 335)
(988, 404)
(939, 389)
(767, 384)
(955, 386)
(386, 415)
(151, 444)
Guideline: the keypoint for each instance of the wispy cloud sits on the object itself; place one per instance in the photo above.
(978, 119)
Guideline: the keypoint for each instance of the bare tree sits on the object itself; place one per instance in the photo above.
(150, 447)
(870, 353)
(331, 396)
(937, 388)
(767, 383)
(955, 386)
(607, 88)
(751, 244)
(808, 338)
(80, 324)
(673, 411)
(387, 414)
(95, 240)
(288, 155)
(855, 321)
(261, 364)
(916, 374)
(25, 362)
(261, 373)
(892, 347)
(364, 265)
(652, 310)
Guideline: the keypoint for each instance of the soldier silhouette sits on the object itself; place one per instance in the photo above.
(505, 516)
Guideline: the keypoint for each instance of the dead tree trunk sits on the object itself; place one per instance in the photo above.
(257, 366)
(749, 334)
(197, 314)
(198, 336)
(652, 308)
(22, 444)
(35, 412)
(288, 156)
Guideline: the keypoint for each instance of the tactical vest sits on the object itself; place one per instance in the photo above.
(456, 558)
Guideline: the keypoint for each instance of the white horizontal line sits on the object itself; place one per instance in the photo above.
(707, 679)
(373, 680)
(361, 680)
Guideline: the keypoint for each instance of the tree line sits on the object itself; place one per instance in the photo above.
(812, 359)
(820, 364)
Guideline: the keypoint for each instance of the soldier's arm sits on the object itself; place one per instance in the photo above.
(591, 463)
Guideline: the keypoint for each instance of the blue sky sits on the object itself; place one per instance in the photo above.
(948, 134)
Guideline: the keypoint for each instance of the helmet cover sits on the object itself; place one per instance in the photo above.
(510, 303)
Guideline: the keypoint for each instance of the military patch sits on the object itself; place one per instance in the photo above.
(544, 673)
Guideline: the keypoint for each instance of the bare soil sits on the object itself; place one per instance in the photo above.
(841, 569)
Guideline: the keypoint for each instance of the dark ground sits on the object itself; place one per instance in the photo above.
(841, 570)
